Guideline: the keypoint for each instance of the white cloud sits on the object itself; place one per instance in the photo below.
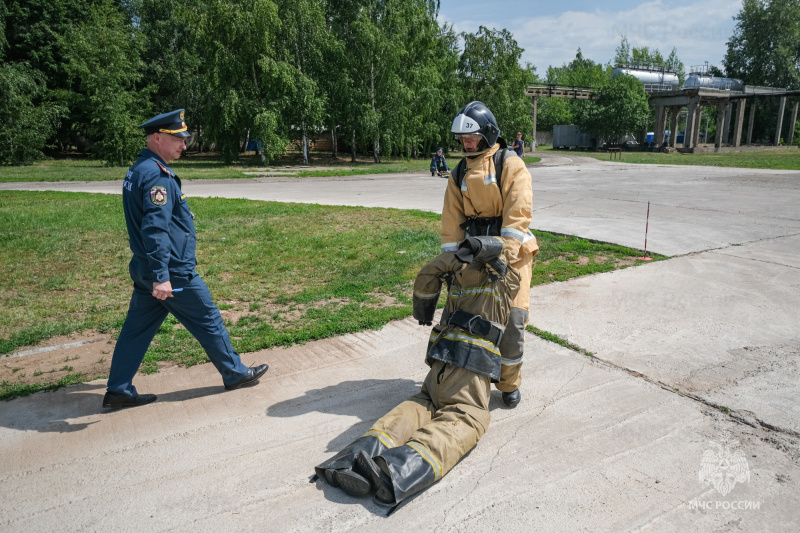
(698, 32)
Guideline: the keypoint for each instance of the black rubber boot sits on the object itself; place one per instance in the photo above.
(379, 480)
(511, 399)
(352, 483)
(345, 459)
(407, 471)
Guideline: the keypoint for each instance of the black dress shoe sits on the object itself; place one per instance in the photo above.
(253, 373)
(511, 399)
(115, 401)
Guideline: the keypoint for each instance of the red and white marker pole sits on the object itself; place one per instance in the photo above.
(646, 227)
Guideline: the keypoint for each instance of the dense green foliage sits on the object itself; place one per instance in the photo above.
(620, 109)
(26, 122)
(580, 72)
(765, 50)
(765, 46)
(383, 76)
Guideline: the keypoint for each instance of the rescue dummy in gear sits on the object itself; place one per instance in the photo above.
(480, 200)
(421, 439)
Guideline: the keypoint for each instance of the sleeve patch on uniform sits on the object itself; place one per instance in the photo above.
(158, 195)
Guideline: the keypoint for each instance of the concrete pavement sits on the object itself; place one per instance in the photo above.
(686, 419)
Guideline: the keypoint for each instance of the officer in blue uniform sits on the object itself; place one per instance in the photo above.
(438, 163)
(162, 238)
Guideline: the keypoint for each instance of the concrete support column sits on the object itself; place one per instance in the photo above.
(781, 109)
(688, 133)
(737, 127)
(720, 125)
(676, 111)
(752, 121)
(697, 124)
(792, 122)
(533, 115)
(660, 121)
(728, 113)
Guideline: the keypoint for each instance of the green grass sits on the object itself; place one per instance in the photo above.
(558, 340)
(196, 166)
(782, 159)
(289, 273)
(562, 257)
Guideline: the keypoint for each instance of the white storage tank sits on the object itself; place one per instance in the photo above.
(653, 79)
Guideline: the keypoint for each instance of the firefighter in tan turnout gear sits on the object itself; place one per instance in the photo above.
(490, 194)
(421, 439)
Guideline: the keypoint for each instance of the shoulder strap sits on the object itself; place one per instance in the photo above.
(458, 173)
(500, 157)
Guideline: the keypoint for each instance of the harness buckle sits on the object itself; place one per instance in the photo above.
(471, 321)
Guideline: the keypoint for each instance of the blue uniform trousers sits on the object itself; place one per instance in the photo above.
(193, 307)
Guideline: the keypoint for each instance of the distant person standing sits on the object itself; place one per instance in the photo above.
(438, 163)
(162, 238)
(519, 145)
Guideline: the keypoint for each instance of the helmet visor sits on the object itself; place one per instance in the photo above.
(465, 125)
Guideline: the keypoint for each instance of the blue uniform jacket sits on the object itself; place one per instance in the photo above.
(439, 163)
(160, 225)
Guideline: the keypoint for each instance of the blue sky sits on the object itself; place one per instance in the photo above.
(551, 32)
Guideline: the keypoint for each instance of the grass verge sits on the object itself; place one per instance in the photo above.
(283, 273)
(558, 340)
(205, 166)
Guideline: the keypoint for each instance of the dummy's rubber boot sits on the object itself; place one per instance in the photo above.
(379, 481)
(410, 469)
(345, 459)
(352, 483)
(511, 399)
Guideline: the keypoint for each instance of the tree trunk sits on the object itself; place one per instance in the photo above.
(376, 147)
(353, 147)
(334, 148)
(305, 147)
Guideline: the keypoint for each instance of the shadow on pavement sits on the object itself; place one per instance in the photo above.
(57, 411)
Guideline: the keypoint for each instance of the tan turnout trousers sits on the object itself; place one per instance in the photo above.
(447, 417)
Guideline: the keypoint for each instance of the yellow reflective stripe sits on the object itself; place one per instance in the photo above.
(385, 439)
(428, 456)
(477, 290)
(162, 130)
(425, 296)
(475, 341)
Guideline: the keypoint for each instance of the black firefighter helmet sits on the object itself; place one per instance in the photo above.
(475, 118)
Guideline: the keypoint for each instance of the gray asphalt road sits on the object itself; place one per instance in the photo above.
(686, 418)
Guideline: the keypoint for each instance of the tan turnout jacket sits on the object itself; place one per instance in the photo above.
(480, 196)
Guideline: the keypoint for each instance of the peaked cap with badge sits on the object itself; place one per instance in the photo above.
(171, 123)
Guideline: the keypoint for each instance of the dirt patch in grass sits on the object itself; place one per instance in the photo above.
(87, 353)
